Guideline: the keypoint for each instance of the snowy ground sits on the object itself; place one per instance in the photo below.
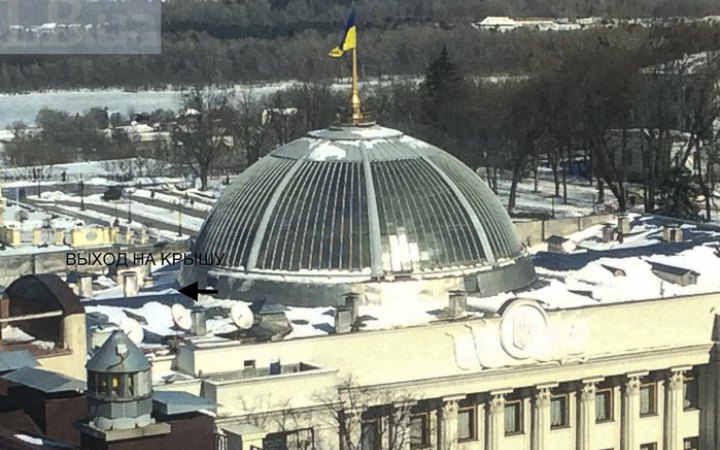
(122, 209)
(582, 198)
(26, 219)
(93, 172)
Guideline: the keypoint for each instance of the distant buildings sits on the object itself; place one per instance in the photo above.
(505, 24)
(630, 150)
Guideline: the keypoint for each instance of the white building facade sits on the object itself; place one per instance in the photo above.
(628, 376)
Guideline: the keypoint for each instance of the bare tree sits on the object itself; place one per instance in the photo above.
(703, 89)
(250, 134)
(603, 80)
(202, 132)
(657, 111)
(528, 125)
(280, 120)
(359, 414)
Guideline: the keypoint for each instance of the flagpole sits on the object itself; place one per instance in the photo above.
(357, 114)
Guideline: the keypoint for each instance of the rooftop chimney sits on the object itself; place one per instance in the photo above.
(608, 233)
(130, 283)
(198, 327)
(352, 303)
(85, 285)
(623, 223)
(672, 234)
(457, 303)
(343, 323)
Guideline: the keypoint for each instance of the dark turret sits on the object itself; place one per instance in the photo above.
(119, 385)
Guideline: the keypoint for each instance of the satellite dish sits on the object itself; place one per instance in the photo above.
(181, 316)
(241, 316)
(132, 329)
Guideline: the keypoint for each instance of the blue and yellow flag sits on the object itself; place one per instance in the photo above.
(349, 39)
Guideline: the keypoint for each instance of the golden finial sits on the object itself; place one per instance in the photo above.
(349, 43)
(357, 113)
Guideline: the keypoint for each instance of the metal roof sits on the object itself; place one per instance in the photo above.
(44, 380)
(179, 402)
(16, 359)
(674, 270)
(40, 292)
(361, 200)
(555, 239)
(267, 308)
(118, 355)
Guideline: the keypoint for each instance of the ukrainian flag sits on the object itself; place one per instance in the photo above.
(349, 39)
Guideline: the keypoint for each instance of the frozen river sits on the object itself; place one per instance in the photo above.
(24, 107)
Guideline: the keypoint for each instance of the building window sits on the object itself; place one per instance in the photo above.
(466, 424)
(690, 443)
(559, 411)
(370, 435)
(651, 446)
(302, 439)
(604, 405)
(513, 417)
(102, 385)
(420, 431)
(116, 390)
(690, 393)
(648, 397)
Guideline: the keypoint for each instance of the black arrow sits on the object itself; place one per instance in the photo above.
(192, 291)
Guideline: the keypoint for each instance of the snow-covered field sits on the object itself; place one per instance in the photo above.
(123, 207)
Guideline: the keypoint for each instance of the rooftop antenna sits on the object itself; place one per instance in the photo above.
(132, 329)
(241, 316)
(181, 317)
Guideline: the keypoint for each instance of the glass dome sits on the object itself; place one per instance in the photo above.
(361, 203)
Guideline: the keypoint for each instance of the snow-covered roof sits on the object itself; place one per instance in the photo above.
(497, 21)
(579, 278)
(695, 63)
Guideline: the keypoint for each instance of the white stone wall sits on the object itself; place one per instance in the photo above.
(618, 343)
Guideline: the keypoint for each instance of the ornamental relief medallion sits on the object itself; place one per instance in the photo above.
(524, 330)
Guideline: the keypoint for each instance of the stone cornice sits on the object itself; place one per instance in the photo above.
(496, 380)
